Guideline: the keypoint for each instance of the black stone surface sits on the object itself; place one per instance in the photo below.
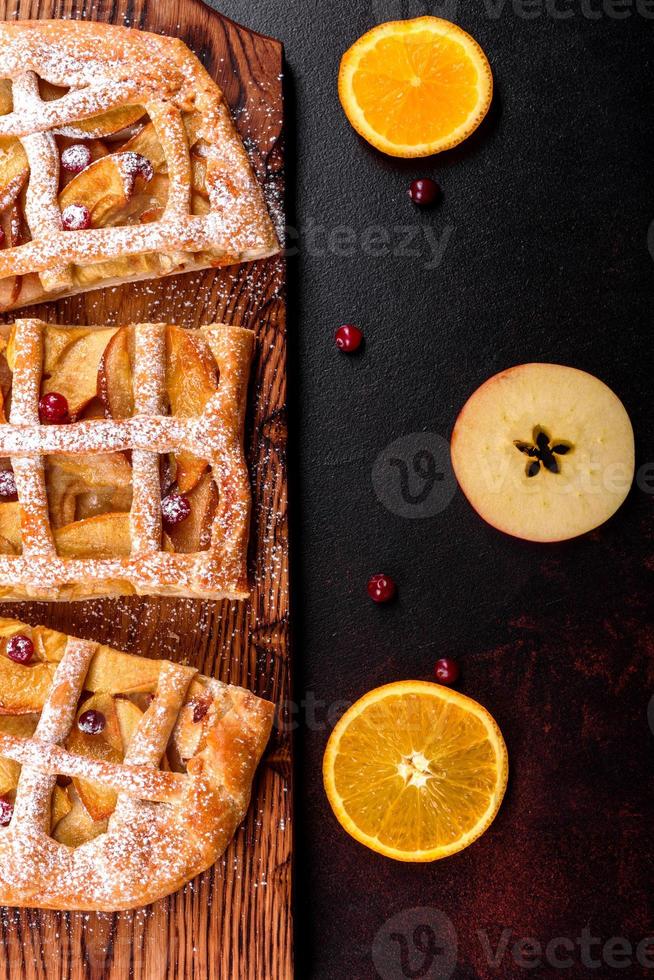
(543, 230)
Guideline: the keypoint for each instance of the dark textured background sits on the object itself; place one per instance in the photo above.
(548, 208)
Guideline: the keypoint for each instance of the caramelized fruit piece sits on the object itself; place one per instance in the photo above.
(187, 734)
(63, 488)
(129, 717)
(14, 170)
(99, 801)
(6, 96)
(74, 372)
(23, 690)
(20, 726)
(106, 124)
(103, 470)
(191, 380)
(115, 375)
(104, 536)
(10, 526)
(106, 189)
(77, 827)
(194, 534)
(61, 805)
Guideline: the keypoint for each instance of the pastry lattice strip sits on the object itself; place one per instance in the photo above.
(166, 826)
(216, 436)
(160, 75)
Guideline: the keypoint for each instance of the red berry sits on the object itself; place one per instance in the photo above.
(6, 812)
(424, 191)
(75, 158)
(348, 338)
(446, 671)
(8, 492)
(381, 588)
(2, 238)
(200, 709)
(53, 409)
(174, 509)
(76, 217)
(91, 722)
(20, 648)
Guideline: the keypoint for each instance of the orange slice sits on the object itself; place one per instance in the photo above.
(415, 771)
(415, 87)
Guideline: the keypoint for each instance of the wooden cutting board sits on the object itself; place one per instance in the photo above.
(233, 922)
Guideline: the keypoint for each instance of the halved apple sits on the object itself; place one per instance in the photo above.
(74, 373)
(544, 452)
(103, 536)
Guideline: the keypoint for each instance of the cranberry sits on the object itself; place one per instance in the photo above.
(446, 671)
(424, 192)
(6, 811)
(381, 588)
(200, 709)
(138, 166)
(348, 338)
(76, 217)
(75, 158)
(2, 238)
(8, 491)
(20, 648)
(91, 722)
(174, 509)
(53, 409)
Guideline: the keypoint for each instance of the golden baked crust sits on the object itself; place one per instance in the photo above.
(137, 100)
(166, 826)
(125, 551)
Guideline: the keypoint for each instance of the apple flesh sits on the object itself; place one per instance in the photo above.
(544, 452)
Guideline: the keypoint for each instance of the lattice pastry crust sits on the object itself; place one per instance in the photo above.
(200, 377)
(163, 826)
(164, 176)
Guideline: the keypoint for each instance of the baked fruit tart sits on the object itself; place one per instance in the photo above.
(121, 461)
(119, 161)
(121, 778)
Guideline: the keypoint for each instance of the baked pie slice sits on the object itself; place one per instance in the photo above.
(121, 461)
(121, 778)
(119, 161)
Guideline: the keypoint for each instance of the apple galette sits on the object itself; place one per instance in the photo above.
(119, 161)
(121, 778)
(121, 461)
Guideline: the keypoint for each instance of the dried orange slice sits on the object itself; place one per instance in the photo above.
(415, 87)
(415, 771)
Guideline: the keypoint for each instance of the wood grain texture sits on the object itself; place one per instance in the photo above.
(235, 921)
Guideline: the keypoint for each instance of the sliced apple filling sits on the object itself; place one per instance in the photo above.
(113, 173)
(120, 688)
(90, 372)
